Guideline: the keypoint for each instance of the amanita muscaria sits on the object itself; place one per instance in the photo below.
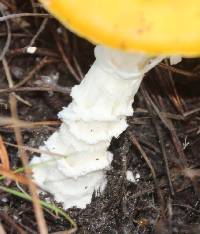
(134, 36)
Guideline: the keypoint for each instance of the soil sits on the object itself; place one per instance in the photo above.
(160, 147)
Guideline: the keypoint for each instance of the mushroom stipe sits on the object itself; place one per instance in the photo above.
(142, 33)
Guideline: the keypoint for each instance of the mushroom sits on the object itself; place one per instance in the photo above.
(134, 36)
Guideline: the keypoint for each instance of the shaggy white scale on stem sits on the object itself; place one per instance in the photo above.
(98, 111)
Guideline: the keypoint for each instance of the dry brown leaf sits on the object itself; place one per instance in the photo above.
(13, 176)
(4, 155)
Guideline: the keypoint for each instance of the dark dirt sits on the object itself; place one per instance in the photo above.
(161, 143)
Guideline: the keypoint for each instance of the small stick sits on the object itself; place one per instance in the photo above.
(58, 89)
(18, 15)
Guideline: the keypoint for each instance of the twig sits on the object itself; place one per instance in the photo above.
(187, 207)
(148, 162)
(64, 90)
(39, 51)
(178, 70)
(11, 83)
(12, 223)
(78, 68)
(2, 230)
(18, 15)
(173, 116)
(10, 123)
(162, 145)
(178, 99)
(177, 144)
(41, 28)
(168, 87)
(32, 187)
(8, 40)
(164, 154)
(191, 112)
(33, 150)
(7, 72)
(65, 59)
(168, 124)
(31, 73)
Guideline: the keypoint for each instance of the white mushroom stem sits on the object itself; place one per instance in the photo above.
(98, 111)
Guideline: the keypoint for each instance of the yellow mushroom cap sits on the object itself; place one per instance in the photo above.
(153, 26)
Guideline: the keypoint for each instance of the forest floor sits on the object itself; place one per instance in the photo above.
(160, 147)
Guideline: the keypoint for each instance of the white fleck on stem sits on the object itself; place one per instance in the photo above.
(97, 113)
